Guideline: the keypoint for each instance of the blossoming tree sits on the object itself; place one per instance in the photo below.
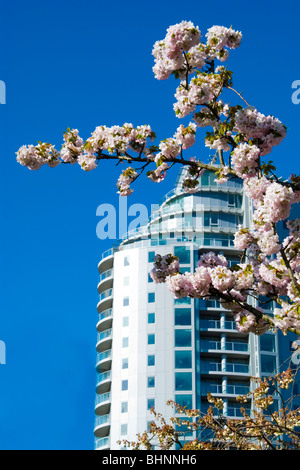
(242, 137)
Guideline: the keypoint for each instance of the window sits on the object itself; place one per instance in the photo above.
(183, 253)
(126, 261)
(150, 403)
(183, 338)
(125, 321)
(268, 363)
(151, 382)
(183, 359)
(123, 429)
(125, 301)
(150, 278)
(182, 316)
(125, 363)
(184, 400)
(126, 281)
(124, 385)
(267, 343)
(182, 301)
(151, 297)
(151, 317)
(151, 360)
(151, 256)
(183, 381)
(151, 338)
(125, 342)
(124, 407)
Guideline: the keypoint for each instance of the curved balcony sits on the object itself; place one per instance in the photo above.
(102, 404)
(104, 340)
(107, 260)
(106, 281)
(105, 301)
(102, 444)
(104, 361)
(102, 426)
(103, 382)
(105, 320)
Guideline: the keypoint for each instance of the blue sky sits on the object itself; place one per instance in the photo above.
(82, 64)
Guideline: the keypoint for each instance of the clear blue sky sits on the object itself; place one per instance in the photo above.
(82, 64)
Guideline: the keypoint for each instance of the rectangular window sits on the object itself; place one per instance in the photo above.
(151, 256)
(183, 316)
(126, 281)
(124, 385)
(150, 278)
(125, 321)
(184, 400)
(183, 253)
(151, 317)
(151, 338)
(151, 297)
(268, 364)
(151, 360)
(267, 343)
(150, 403)
(183, 381)
(125, 342)
(183, 301)
(126, 261)
(183, 338)
(123, 429)
(124, 407)
(125, 301)
(183, 359)
(151, 382)
(125, 363)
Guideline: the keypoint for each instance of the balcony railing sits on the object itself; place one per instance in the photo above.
(104, 442)
(228, 389)
(227, 346)
(104, 397)
(104, 335)
(103, 377)
(217, 325)
(105, 294)
(102, 420)
(235, 367)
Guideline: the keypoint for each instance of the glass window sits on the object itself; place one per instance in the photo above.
(151, 317)
(151, 382)
(123, 429)
(126, 281)
(150, 278)
(183, 338)
(151, 297)
(151, 256)
(182, 316)
(124, 407)
(183, 301)
(183, 253)
(151, 338)
(125, 301)
(125, 321)
(184, 400)
(183, 359)
(125, 342)
(124, 385)
(126, 261)
(267, 343)
(151, 360)
(268, 363)
(150, 403)
(183, 381)
(125, 363)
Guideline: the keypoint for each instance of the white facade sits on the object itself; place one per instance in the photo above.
(152, 348)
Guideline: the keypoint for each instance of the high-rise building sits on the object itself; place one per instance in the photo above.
(152, 348)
